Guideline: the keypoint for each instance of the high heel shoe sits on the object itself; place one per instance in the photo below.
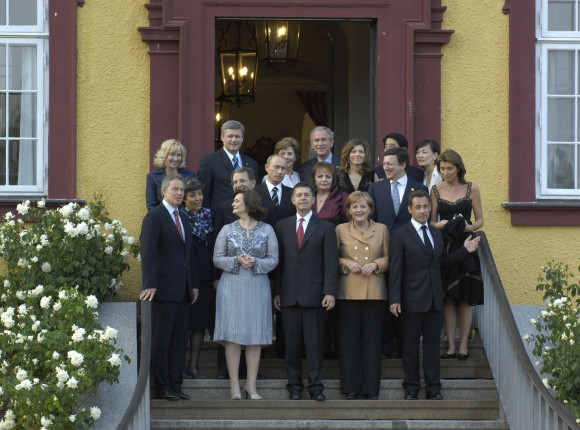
(236, 396)
(253, 396)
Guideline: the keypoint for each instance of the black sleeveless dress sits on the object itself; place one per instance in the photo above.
(462, 281)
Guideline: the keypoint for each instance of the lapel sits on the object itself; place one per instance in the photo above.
(415, 238)
(363, 238)
(225, 160)
(312, 225)
(290, 236)
(406, 194)
(171, 222)
(389, 196)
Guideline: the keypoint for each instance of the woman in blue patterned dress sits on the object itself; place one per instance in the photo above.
(246, 250)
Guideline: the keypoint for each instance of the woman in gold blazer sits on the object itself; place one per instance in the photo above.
(361, 298)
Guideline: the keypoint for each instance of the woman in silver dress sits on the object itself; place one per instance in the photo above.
(246, 250)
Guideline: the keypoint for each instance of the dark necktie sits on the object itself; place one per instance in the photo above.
(275, 196)
(426, 239)
(235, 161)
(178, 224)
(300, 233)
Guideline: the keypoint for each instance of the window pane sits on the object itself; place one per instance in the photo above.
(2, 12)
(561, 119)
(560, 72)
(22, 12)
(3, 115)
(22, 162)
(561, 15)
(22, 67)
(2, 66)
(3, 162)
(560, 166)
(22, 117)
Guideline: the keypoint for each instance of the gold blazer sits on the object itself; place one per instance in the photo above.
(372, 246)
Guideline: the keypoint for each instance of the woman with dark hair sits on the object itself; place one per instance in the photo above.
(427, 152)
(355, 173)
(289, 149)
(452, 202)
(330, 203)
(202, 312)
(361, 298)
(170, 158)
(246, 250)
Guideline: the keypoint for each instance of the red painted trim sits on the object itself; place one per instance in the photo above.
(62, 124)
(522, 110)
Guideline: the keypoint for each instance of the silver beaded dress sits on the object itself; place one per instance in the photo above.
(244, 301)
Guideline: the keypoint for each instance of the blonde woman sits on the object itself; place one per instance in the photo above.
(169, 159)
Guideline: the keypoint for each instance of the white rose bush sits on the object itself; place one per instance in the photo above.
(53, 352)
(556, 341)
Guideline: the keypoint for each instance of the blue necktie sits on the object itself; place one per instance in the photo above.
(235, 161)
(395, 196)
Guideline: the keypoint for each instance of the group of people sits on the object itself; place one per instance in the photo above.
(353, 260)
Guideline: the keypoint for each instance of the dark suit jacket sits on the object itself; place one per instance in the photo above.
(285, 208)
(305, 169)
(415, 173)
(414, 274)
(303, 277)
(384, 210)
(167, 262)
(153, 194)
(215, 172)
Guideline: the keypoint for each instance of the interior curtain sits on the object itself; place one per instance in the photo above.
(316, 105)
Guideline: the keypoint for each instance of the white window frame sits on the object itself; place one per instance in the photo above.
(37, 36)
(547, 41)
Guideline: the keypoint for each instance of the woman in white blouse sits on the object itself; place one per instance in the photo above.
(427, 152)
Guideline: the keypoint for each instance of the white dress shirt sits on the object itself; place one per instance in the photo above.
(420, 232)
(305, 222)
(231, 156)
(401, 185)
(271, 186)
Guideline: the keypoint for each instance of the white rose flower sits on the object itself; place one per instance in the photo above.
(26, 384)
(544, 313)
(527, 337)
(95, 413)
(572, 342)
(35, 325)
(57, 306)
(75, 358)
(546, 383)
(34, 259)
(564, 337)
(61, 374)
(11, 223)
(109, 250)
(72, 383)
(72, 418)
(67, 210)
(7, 320)
(21, 374)
(45, 421)
(8, 216)
(111, 333)
(22, 209)
(46, 267)
(69, 228)
(82, 228)
(55, 355)
(1, 391)
(84, 213)
(38, 247)
(92, 302)
(41, 203)
(78, 335)
(130, 240)
(44, 240)
(114, 360)
(108, 227)
(22, 310)
(22, 262)
(45, 302)
(6, 283)
(537, 363)
(62, 294)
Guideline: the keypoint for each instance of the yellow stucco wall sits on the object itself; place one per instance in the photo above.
(475, 123)
(113, 113)
(113, 127)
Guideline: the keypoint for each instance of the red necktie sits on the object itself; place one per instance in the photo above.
(300, 233)
(178, 224)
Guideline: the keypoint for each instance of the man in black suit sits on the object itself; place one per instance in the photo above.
(215, 169)
(321, 141)
(397, 140)
(276, 198)
(170, 282)
(390, 195)
(391, 210)
(304, 289)
(416, 255)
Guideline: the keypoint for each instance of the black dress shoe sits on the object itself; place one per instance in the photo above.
(182, 395)
(295, 395)
(318, 396)
(222, 375)
(351, 396)
(463, 356)
(373, 397)
(446, 356)
(434, 395)
(411, 395)
(167, 395)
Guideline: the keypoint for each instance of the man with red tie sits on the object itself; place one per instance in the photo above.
(304, 289)
(169, 281)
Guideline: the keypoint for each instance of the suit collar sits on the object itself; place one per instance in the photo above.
(355, 234)
(415, 237)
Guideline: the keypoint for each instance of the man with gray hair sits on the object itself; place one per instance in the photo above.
(321, 141)
(215, 169)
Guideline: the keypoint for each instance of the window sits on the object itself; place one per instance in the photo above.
(558, 36)
(23, 97)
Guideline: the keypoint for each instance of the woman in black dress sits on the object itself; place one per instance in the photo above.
(452, 202)
(355, 173)
(202, 312)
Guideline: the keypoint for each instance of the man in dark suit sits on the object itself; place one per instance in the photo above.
(304, 289)
(390, 195)
(397, 140)
(416, 255)
(276, 198)
(321, 141)
(215, 169)
(169, 280)
(390, 209)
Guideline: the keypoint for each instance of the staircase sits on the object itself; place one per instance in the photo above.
(471, 400)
